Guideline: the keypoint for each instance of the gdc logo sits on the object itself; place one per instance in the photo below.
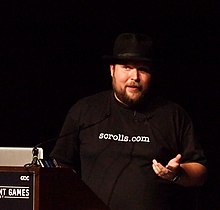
(24, 178)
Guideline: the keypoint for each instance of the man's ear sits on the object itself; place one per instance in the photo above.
(112, 68)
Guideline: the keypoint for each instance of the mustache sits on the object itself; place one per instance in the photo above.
(133, 84)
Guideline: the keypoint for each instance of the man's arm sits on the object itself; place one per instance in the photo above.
(185, 174)
(194, 174)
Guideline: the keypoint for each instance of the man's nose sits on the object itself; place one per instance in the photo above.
(134, 74)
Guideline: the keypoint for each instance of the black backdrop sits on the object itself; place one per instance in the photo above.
(51, 56)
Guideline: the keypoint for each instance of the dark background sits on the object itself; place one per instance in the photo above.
(51, 56)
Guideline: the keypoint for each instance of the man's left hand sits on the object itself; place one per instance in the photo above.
(169, 171)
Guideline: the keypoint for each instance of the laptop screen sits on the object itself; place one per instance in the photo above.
(17, 156)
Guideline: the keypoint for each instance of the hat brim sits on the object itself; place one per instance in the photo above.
(125, 59)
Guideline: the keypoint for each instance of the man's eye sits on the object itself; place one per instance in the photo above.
(127, 67)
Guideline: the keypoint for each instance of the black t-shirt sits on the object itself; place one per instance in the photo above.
(112, 147)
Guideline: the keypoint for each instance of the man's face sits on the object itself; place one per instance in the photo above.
(130, 82)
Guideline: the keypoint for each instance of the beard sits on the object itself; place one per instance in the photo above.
(122, 95)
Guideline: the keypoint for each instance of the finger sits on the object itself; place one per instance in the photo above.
(161, 170)
(178, 158)
(155, 169)
(154, 161)
(156, 165)
(160, 166)
(158, 171)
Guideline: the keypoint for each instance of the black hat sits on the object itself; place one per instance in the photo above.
(131, 47)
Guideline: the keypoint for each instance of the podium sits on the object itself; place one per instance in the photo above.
(37, 188)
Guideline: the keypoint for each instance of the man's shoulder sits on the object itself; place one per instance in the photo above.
(95, 103)
(167, 108)
(94, 100)
(91, 109)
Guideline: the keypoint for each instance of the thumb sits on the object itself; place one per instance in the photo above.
(174, 162)
(178, 158)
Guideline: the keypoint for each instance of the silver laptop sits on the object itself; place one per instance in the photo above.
(17, 156)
